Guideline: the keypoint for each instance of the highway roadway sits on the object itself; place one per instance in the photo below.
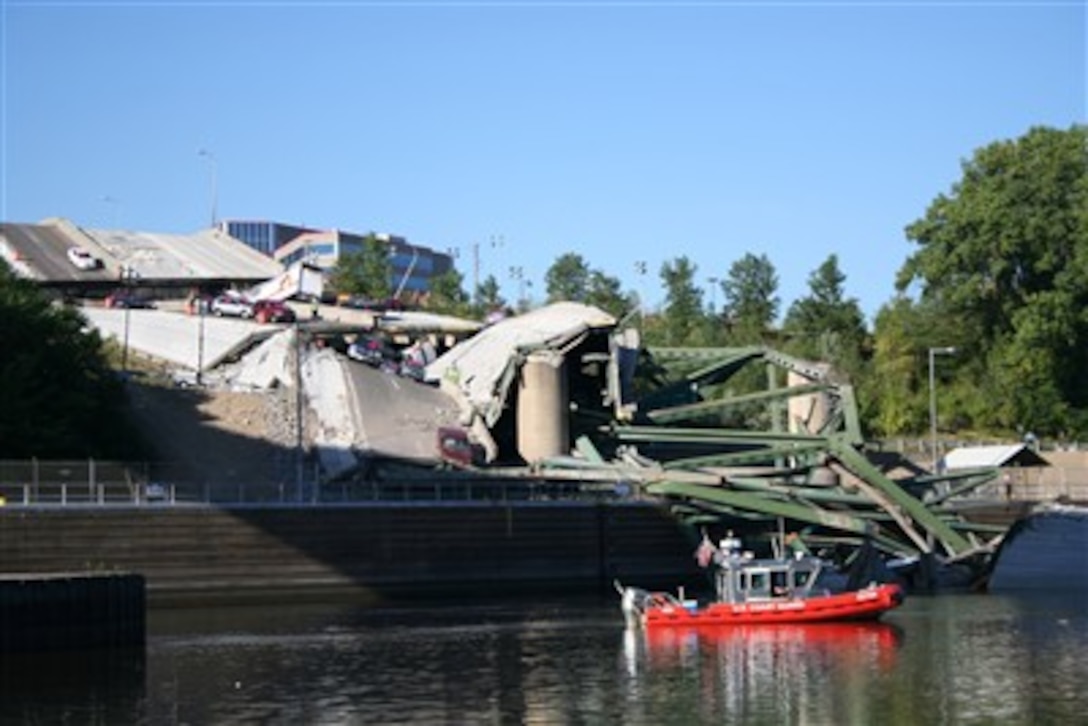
(44, 250)
(176, 337)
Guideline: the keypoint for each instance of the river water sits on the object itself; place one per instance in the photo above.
(949, 659)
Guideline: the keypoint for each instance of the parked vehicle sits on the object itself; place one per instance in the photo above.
(83, 259)
(361, 303)
(128, 299)
(372, 350)
(377, 306)
(272, 311)
(232, 304)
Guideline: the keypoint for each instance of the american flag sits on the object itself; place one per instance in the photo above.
(705, 552)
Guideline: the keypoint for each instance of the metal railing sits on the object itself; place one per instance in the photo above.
(94, 483)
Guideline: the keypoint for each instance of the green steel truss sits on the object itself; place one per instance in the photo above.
(819, 479)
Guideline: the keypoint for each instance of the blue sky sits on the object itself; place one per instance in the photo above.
(624, 131)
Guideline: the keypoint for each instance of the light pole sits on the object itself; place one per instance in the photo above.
(933, 352)
(640, 270)
(127, 273)
(475, 273)
(215, 182)
(299, 442)
(200, 342)
(517, 274)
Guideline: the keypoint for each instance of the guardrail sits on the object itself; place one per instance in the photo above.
(92, 483)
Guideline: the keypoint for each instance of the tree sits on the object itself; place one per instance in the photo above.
(1006, 253)
(751, 303)
(366, 272)
(59, 397)
(489, 295)
(895, 386)
(447, 294)
(825, 324)
(605, 292)
(683, 312)
(568, 278)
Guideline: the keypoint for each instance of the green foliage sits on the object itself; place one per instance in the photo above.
(894, 383)
(366, 273)
(488, 296)
(826, 325)
(751, 300)
(683, 303)
(58, 397)
(1005, 256)
(568, 278)
(447, 294)
(605, 292)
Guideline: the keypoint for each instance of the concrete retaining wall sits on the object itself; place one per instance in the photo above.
(376, 552)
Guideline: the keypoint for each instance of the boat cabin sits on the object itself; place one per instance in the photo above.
(740, 578)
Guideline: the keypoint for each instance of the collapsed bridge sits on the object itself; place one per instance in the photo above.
(689, 440)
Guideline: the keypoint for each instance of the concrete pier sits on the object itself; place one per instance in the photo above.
(71, 611)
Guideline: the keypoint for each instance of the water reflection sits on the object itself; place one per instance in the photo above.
(777, 671)
(970, 659)
(87, 687)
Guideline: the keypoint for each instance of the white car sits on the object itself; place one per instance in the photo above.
(83, 259)
(232, 304)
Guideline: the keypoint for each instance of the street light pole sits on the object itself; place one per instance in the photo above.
(200, 342)
(933, 352)
(127, 273)
(299, 443)
(640, 270)
(215, 183)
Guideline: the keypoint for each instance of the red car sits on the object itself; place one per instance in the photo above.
(272, 311)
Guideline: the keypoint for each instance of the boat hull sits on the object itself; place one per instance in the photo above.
(866, 604)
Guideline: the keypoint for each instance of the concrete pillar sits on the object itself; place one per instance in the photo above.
(810, 412)
(543, 415)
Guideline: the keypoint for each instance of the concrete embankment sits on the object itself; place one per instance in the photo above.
(375, 552)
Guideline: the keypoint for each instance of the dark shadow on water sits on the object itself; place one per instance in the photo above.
(93, 686)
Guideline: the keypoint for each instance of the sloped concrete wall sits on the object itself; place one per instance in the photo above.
(380, 552)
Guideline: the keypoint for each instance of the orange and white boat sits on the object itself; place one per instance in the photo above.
(752, 591)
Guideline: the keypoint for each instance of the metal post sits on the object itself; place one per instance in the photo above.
(126, 276)
(298, 413)
(200, 343)
(933, 352)
(640, 270)
(476, 273)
